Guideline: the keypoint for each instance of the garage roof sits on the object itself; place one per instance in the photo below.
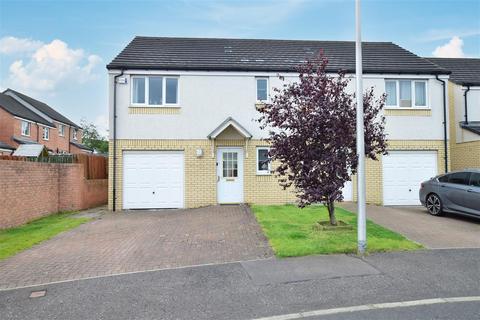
(213, 54)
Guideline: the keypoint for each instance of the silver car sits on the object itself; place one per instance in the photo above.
(455, 192)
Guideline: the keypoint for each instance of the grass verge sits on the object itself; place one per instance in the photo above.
(290, 232)
(15, 240)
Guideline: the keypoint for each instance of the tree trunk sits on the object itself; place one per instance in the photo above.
(331, 213)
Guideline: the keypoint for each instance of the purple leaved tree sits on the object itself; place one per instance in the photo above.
(311, 129)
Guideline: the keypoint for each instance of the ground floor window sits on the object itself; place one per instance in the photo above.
(263, 161)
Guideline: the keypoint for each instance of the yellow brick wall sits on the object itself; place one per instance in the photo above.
(154, 110)
(374, 177)
(464, 155)
(200, 172)
(408, 112)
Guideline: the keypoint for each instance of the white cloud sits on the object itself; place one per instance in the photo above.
(452, 49)
(51, 65)
(9, 45)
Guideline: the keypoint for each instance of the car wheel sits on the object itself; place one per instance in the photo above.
(434, 205)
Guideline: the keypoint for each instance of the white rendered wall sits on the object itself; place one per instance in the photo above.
(206, 99)
(473, 105)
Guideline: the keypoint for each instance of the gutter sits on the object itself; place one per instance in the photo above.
(466, 108)
(115, 139)
(445, 142)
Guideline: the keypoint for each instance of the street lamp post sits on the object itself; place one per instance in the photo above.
(361, 206)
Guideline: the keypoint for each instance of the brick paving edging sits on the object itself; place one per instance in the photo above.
(139, 241)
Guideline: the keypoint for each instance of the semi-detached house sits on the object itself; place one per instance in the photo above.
(25, 120)
(183, 119)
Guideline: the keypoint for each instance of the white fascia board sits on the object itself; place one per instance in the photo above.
(225, 125)
(267, 74)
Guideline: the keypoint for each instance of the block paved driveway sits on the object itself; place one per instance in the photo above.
(138, 241)
(449, 231)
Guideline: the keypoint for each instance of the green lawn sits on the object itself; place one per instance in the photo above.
(23, 237)
(290, 232)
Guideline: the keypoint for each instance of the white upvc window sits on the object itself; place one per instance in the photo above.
(61, 130)
(154, 91)
(406, 93)
(74, 134)
(262, 89)
(25, 128)
(263, 161)
(46, 133)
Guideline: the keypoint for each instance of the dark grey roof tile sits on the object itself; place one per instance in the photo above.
(14, 107)
(213, 54)
(465, 71)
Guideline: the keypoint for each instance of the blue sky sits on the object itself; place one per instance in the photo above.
(56, 51)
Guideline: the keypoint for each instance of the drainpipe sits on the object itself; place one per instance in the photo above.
(445, 143)
(466, 108)
(114, 178)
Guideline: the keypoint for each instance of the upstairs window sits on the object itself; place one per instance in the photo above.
(262, 89)
(406, 93)
(61, 130)
(263, 161)
(46, 133)
(25, 128)
(154, 90)
(74, 134)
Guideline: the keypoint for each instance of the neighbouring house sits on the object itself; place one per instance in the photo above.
(24, 120)
(464, 95)
(183, 119)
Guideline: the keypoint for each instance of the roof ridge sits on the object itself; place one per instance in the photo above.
(253, 39)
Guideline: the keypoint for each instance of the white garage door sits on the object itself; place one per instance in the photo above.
(153, 179)
(403, 171)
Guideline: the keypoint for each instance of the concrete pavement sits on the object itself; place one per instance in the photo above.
(450, 231)
(227, 291)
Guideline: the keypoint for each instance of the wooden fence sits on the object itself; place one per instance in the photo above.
(95, 167)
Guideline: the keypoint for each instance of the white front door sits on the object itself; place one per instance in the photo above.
(403, 172)
(153, 179)
(230, 175)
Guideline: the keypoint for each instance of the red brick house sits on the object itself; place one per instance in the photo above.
(24, 120)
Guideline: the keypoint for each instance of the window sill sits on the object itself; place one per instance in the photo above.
(154, 110)
(264, 173)
(424, 112)
(259, 105)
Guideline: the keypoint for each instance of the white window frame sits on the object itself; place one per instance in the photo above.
(74, 134)
(46, 133)
(147, 91)
(268, 89)
(61, 130)
(262, 172)
(29, 127)
(412, 88)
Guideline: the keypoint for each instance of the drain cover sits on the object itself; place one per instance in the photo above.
(38, 294)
